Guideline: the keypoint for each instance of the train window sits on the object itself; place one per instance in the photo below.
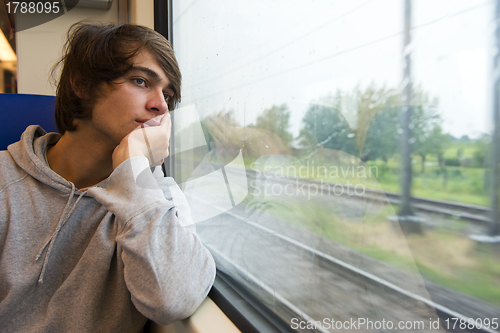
(337, 157)
(8, 57)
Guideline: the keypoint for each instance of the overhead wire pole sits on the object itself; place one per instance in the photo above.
(408, 221)
(405, 209)
(495, 143)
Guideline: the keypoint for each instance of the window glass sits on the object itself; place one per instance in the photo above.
(292, 148)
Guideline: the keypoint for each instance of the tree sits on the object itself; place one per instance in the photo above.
(374, 127)
(373, 119)
(439, 142)
(382, 137)
(308, 140)
(427, 137)
(276, 120)
(481, 151)
(329, 127)
(369, 104)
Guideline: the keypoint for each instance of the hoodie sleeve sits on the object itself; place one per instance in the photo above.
(167, 269)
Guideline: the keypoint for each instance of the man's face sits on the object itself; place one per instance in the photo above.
(137, 97)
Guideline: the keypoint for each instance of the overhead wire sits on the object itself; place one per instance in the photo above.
(286, 44)
(342, 52)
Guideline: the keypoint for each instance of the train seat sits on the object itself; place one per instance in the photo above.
(18, 111)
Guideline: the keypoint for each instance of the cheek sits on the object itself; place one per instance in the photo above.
(111, 110)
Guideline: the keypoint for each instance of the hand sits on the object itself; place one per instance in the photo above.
(224, 130)
(254, 141)
(150, 142)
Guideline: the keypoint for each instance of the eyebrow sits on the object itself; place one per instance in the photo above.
(153, 75)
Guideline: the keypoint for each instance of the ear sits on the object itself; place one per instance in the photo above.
(75, 123)
(78, 89)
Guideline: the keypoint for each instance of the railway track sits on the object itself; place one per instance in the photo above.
(305, 280)
(341, 276)
(472, 213)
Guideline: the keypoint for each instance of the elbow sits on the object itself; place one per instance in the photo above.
(185, 299)
(181, 309)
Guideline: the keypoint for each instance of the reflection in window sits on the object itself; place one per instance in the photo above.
(288, 147)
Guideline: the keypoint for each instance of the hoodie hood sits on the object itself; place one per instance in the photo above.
(29, 155)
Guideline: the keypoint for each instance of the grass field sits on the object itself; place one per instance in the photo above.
(468, 149)
(459, 184)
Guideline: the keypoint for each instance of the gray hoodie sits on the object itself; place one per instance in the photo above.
(100, 260)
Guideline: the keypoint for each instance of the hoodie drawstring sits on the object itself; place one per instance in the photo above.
(60, 224)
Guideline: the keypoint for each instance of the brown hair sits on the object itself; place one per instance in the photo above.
(98, 53)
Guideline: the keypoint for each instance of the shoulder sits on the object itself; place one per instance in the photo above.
(10, 172)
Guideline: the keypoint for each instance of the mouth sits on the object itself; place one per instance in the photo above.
(147, 122)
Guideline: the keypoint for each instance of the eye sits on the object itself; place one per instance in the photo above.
(167, 97)
(140, 82)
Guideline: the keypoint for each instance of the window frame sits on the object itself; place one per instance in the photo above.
(246, 312)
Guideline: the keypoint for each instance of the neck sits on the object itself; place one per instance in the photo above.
(81, 159)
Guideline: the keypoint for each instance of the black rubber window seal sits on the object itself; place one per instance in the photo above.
(246, 312)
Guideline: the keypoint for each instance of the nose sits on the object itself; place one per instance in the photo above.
(156, 102)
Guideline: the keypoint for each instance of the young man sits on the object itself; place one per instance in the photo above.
(91, 240)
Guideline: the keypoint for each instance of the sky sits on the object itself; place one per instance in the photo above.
(250, 55)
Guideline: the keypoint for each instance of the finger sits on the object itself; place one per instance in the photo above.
(210, 127)
(146, 141)
(229, 132)
(214, 130)
(220, 124)
(166, 121)
(166, 124)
